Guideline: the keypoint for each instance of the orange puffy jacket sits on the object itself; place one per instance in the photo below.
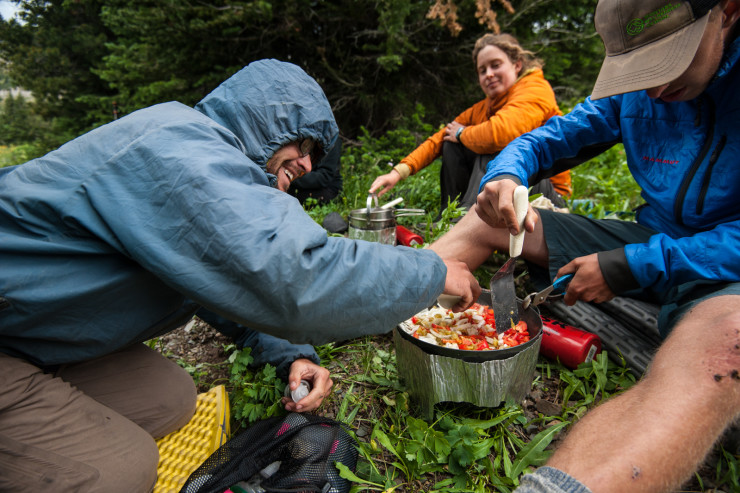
(492, 123)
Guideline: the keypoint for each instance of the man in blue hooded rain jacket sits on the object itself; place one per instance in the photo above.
(668, 90)
(126, 232)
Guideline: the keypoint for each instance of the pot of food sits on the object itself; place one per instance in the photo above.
(444, 341)
(454, 364)
(377, 224)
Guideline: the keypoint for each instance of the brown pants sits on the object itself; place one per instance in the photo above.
(91, 426)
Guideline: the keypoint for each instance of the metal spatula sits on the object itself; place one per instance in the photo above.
(503, 293)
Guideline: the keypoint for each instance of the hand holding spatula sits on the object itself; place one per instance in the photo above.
(503, 293)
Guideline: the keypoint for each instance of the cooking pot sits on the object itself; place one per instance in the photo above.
(534, 326)
(433, 374)
(377, 224)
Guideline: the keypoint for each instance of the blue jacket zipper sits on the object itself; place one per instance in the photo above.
(708, 175)
(681, 196)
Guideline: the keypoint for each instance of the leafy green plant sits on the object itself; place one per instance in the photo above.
(254, 395)
(467, 454)
(448, 218)
(598, 377)
(198, 370)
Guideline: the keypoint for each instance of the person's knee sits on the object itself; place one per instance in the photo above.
(165, 396)
(177, 400)
(455, 157)
(723, 352)
(450, 151)
(133, 468)
(704, 352)
(715, 330)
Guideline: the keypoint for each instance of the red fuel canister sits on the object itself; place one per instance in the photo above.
(572, 346)
(407, 238)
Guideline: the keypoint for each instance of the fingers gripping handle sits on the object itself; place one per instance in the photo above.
(521, 204)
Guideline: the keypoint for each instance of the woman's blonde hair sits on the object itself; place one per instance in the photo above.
(511, 47)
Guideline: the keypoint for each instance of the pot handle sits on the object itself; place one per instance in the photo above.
(370, 198)
(410, 212)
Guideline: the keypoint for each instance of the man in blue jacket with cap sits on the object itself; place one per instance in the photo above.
(668, 90)
(126, 232)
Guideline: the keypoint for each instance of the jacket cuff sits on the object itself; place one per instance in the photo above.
(282, 370)
(616, 271)
(403, 169)
(513, 178)
(498, 178)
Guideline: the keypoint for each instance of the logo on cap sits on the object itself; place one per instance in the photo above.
(636, 26)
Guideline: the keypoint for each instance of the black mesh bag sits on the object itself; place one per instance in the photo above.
(293, 453)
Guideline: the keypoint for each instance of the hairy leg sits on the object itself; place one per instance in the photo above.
(472, 241)
(652, 437)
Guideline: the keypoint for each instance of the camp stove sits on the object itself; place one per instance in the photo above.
(434, 374)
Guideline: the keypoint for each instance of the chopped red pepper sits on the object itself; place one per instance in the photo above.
(513, 336)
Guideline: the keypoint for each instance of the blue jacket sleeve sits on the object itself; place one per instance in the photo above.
(664, 262)
(205, 221)
(562, 137)
(266, 349)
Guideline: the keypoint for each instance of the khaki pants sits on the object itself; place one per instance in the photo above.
(91, 426)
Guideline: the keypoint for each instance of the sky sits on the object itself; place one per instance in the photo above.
(7, 9)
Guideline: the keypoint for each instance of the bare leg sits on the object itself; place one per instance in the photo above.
(472, 241)
(652, 437)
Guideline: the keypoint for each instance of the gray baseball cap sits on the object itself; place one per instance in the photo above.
(648, 42)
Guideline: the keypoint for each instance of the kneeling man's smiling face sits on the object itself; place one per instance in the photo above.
(290, 162)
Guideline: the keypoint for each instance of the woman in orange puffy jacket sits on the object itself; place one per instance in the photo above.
(518, 99)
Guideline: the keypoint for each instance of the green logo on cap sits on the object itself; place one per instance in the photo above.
(636, 26)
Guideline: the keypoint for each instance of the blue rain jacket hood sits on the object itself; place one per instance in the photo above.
(269, 104)
(125, 232)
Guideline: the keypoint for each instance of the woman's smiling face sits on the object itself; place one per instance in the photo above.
(496, 72)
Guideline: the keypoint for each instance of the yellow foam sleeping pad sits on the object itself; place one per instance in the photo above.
(182, 451)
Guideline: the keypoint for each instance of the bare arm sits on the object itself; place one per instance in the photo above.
(470, 241)
(485, 229)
